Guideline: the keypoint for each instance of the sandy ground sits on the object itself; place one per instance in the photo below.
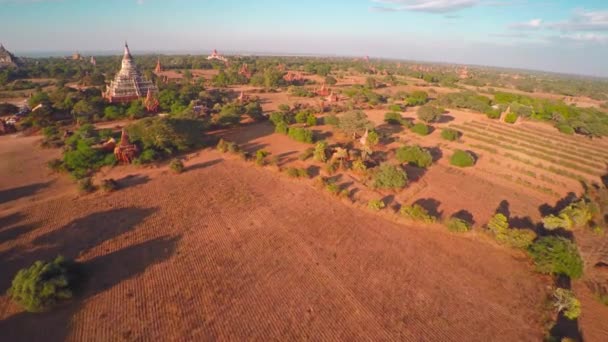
(232, 251)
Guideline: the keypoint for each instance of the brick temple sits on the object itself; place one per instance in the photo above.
(128, 84)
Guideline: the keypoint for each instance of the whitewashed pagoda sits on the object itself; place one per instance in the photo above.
(128, 84)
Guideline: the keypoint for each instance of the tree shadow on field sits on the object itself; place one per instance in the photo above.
(445, 118)
(414, 173)
(74, 238)
(283, 157)
(313, 171)
(431, 205)
(436, 153)
(100, 274)
(204, 165)
(465, 215)
(132, 181)
(10, 220)
(23, 191)
(564, 327)
(547, 209)
(516, 222)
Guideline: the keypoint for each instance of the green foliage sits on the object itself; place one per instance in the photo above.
(565, 302)
(466, 99)
(565, 128)
(557, 255)
(429, 113)
(354, 122)
(254, 111)
(457, 225)
(393, 118)
(511, 118)
(414, 155)
(331, 120)
(302, 116)
(359, 166)
(136, 110)
(176, 166)
(416, 212)
(113, 113)
(311, 120)
(575, 215)
(295, 172)
(420, 129)
(373, 138)
(395, 108)
(517, 238)
(281, 128)
(230, 115)
(417, 98)
(301, 92)
(300, 134)
(330, 80)
(44, 284)
(167, 136)
(376, 204)
(307, 154)
(320, 152)
(388, 176)
(260, 157)
(462, 158)
(281, 117)
(80, 158)
(450, 134)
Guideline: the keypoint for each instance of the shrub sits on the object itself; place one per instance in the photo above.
(376, 204)
(260, 157)
(450, 134)
(576, 215)
(414, 155)
(300, 134)
(283, 107)
(297, 172)
(393, 118)
(176, 166)
(417, 98)
(354, 122)
(558, 256)
(359, 166)
(373, 138)
(565, 302)
(283, 117)
(565, 128)
(222, 146)
(420, 129)
(320, 152)
(311, 120)
(395, 108)
(44, 284)
(462, 158)
(416, 212)
(388, 176)
(511, 118)
(281, 128)
(331, 120)
(457, 225)
(109, 185)
(302, 116)
(85, 185)
(493, 113)
(233, 147)
(429, 113)
(307, 154)
(517, 238)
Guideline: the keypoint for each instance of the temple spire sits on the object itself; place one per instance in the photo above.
(127, 52)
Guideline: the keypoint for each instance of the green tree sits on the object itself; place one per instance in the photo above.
(414, 155)
(136, 110)
(450, 134)
(320, 153)
(557, 255)
(354, 122)
(388, 176)
(462, 158)
(417, 98)
(429, 113)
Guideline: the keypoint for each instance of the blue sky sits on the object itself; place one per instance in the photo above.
(558, 35)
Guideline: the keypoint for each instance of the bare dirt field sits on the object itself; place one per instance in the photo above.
(232, 251)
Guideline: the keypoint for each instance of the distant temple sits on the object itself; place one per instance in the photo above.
(217, 56)
(93, 61)
(76, 56)
(158, 68)
(244, 71)
(7, 59)
(128, 85)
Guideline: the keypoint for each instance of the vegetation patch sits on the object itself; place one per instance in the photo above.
(389, 176)
(450, 134)
(457, 225)
(416, 212)
(558, 256)
(420, 129)
(462, 158)
(414, 155)
(517, 238)
(44, 284)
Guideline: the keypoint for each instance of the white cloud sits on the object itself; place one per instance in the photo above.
(533, 24)
(584, 21)
(431, 6)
